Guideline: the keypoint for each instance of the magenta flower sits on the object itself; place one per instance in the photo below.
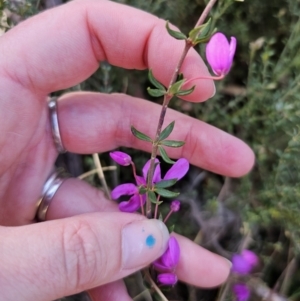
(167, 263)
(177, 171)
(121, 158)
(241, 292)
(169, 260)
(243, 263)
(175, 206)
(220, 53)
(167, 279)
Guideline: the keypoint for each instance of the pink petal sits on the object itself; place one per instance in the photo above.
(132, 205)
(140, 181)
(178, 170)
(219, 53)
(250, 257)
(157, 173)
(170, 258)
(241, 291)
(123, 189)
(240, 265)
(167, 279)
(121, 158)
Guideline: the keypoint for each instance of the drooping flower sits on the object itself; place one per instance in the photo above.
(167, 279)
(177, 171)
(121, 158)
(220, 53)
(241, 291)
(167, 263)
(243, 263)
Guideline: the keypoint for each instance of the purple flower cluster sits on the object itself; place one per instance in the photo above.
(136, 200)
(242, 264)
(167, 263)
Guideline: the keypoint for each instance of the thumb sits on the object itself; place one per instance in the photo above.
(53, 259)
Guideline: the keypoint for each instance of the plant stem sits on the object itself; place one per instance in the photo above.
(167, 98)
(205, 13)
(101, 175)
(154, 286)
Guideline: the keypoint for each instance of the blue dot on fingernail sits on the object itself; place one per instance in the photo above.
(150, 241)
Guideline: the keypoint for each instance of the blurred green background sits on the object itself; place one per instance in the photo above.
(259, 102)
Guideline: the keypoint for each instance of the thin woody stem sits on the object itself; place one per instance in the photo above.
(167, 98)
(155, 287)
(166, 101)
(205, 13)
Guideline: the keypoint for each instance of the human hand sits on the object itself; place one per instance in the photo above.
(56, 50)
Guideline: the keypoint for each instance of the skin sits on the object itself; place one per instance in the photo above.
(47, 53)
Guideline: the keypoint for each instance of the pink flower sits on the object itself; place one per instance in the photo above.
(121, 158)
(177, 171)
(241, 292)
(220, 53)
(243, 263)
(167, 279)
(168, 262)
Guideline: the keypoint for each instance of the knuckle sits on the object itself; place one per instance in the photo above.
(82, 254)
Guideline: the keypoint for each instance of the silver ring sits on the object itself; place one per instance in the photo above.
(52, 105)
(49, 190)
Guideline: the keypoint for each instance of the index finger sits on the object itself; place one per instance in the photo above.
(63, 46)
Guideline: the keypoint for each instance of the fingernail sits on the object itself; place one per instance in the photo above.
(143, 242)
(228, 262)
(214, 91)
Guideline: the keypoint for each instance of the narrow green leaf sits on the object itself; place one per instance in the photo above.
(166, 193)
(186, 92)
(152, 196)
(201, 33)
(160, 217)
(175, 34)
(140, 135)
(155, 92)
(171, 229)
(155, 82)
(167, 131)
(165, 183)
(175, 88)
(164, 155)
(142, 190)
(172, 143)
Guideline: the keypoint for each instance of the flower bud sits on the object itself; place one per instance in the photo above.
(243, 263)
(121, 158)
(241, 292)
(220, 53)
(175, 206)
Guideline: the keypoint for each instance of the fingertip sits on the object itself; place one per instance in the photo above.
(200, 267)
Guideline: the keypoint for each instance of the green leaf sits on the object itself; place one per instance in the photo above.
(152, 196)
(171, 229)
(140, 135)
(155, 82)
(165, 183)
(172, 143)
(156, 92)
(160, 217)
(201, 33)
(185, 92)
(167, 131)
(175, 88)
(164, 155)
(175, 34)
(142, 190)
(166, 193)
